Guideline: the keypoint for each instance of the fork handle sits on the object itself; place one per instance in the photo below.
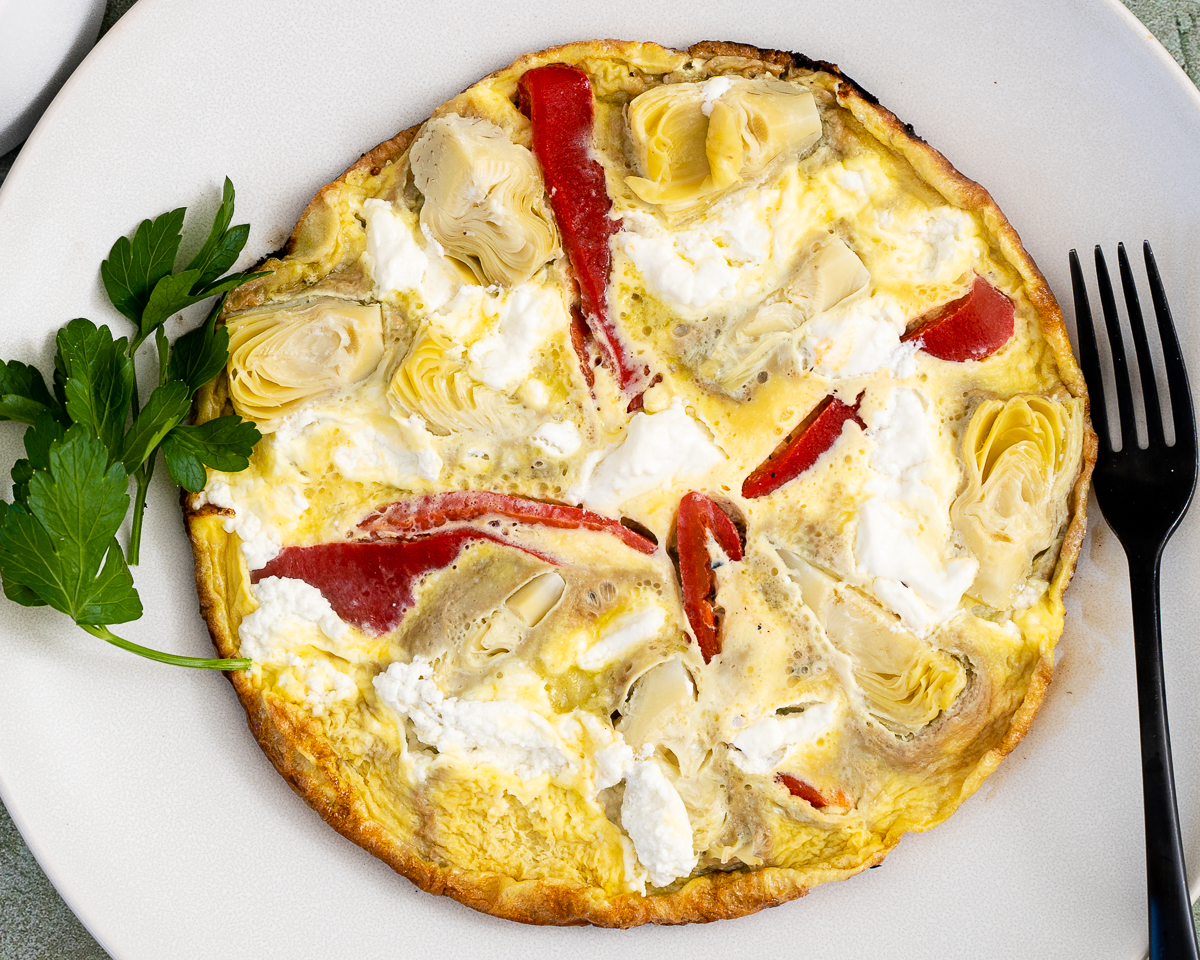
(1172, 933)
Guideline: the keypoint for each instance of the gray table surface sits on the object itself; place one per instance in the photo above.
(35, 923)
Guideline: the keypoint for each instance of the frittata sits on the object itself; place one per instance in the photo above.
(671, 471)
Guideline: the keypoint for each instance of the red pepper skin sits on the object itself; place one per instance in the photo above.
(557, 99)
(816, 434)
(969, 328)
(370, 584)
(584, 343)
(422, 514)
(639, 400)
(798, 788)
(698, 517)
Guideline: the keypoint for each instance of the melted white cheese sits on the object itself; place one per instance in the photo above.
(907, 508)
(392, 256)
(607, 749)
(318, 683)
(534, 395)
(261, 543)
(903, 363)
(654, 816)
(934, 246)
(291, 614)
(712, 90)
(388, 456)
(858, 337)
(1033, 591)
(763, 745)
(659, 449)
(611, 762)
(464, 314)
(529, 314)
(557, 439)
(847, 188)
(362, 443)
(860, 182)
(291, 439)
(653, 813)
(903, 455)
(498, 733)
(397, 263)
(708, 263)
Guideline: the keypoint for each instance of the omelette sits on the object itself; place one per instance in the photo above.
(671, 471)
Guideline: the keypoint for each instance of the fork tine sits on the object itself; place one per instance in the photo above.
(1116, 346)
(1089, 356)
(1141, 346)
(1177, 378)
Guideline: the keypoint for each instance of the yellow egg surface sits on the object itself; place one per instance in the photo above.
(576, 646)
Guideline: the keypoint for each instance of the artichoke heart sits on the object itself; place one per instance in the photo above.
(537, 598)
(828, 276)
(661, 692)
(432, 381)
(830, 273)
(1021, 458)
(279, 358)
(484, 199)
(906, 681)
(693, 140)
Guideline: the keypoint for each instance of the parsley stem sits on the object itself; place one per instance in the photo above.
(200, 663)
(142, 475)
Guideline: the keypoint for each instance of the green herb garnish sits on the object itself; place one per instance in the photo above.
(90, 435)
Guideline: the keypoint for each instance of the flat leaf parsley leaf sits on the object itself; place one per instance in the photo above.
(200, 354)
(223, 444)
(23, 394)
(140, 283)
(138, 273)
(97, 380)
(134, 267)
(56, 544)
(167, 406)
(89, 435)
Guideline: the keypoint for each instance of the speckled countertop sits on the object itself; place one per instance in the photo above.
(35, 924)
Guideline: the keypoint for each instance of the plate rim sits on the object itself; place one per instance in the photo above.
(111, 44)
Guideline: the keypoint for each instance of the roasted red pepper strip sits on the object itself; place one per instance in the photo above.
(422, 514)
(699, 517)
(557, 99)
(370, 584)
(969, 328)
(798, 788)
(584, 343)
(800, 450)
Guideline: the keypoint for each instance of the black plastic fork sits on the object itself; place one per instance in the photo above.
(1143, 493)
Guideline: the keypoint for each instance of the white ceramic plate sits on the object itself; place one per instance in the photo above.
(138, 786)
(40, 44)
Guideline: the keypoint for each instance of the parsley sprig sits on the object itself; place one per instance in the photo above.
(88, 435)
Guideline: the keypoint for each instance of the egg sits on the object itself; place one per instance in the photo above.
(573, 638)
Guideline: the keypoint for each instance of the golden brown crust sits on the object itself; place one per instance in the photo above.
(290, 738)
(251, 294)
